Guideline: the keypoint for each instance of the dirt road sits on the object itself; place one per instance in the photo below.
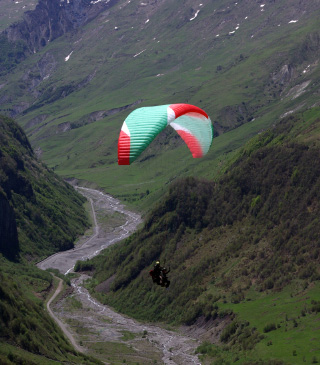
(61, 324)
(101, 331)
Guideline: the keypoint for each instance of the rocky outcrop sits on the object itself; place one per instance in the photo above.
(53, 18)
(100, 114)
(284, 75)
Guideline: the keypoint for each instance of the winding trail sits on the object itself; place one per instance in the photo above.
(61, 324)
(103, 324)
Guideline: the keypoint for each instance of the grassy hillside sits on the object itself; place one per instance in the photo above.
(48, 212)
(12, 11)
(27, 333)
(39, 214)
(245, 64)
(236, 247)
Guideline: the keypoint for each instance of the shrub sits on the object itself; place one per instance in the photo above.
(315, 306)
(83, 266)
(206, 348)
(228, 331)
(269, 327)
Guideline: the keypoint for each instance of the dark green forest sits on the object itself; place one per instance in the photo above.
(46, 214)
(267, 203)
(255, 230)
(39, 214)
(28, 335)
(239, 229)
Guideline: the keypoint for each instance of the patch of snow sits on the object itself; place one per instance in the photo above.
(218, 35)
(293, 21)
(195, 15)
(237, 28)
(139, 53)
(95, 2)
(116, 28)
(262, 5)
(68, 57)
(160, 75)
(306, 70)
(232, 32)
(298, 90)
(286, 114)
(147, 21)
(246, 17)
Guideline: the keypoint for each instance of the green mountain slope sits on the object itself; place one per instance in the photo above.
(12, 11)
(245, 64)
(234, 246)
(243, 250)
(27, 334)
(39, 214)
(46, 214)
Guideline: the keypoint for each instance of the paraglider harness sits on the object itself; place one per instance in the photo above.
(159, 275)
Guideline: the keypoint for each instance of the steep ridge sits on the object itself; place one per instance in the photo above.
(247, 64)
(52, 19)
(249, 236)
(113, 34)
(12, 11)
(41, 213)
(27, 333)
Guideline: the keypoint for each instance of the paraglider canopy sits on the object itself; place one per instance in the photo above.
(144, 124)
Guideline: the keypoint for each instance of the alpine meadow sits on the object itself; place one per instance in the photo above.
(238, 229)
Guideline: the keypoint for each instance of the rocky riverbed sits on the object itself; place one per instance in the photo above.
(96, 328)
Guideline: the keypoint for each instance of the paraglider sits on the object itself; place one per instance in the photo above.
(144, 124)
(159, 275)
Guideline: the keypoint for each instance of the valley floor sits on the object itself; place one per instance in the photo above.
(100, 331)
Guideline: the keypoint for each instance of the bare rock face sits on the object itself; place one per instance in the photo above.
(53, 18)
(284, 75)
(40, 26)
